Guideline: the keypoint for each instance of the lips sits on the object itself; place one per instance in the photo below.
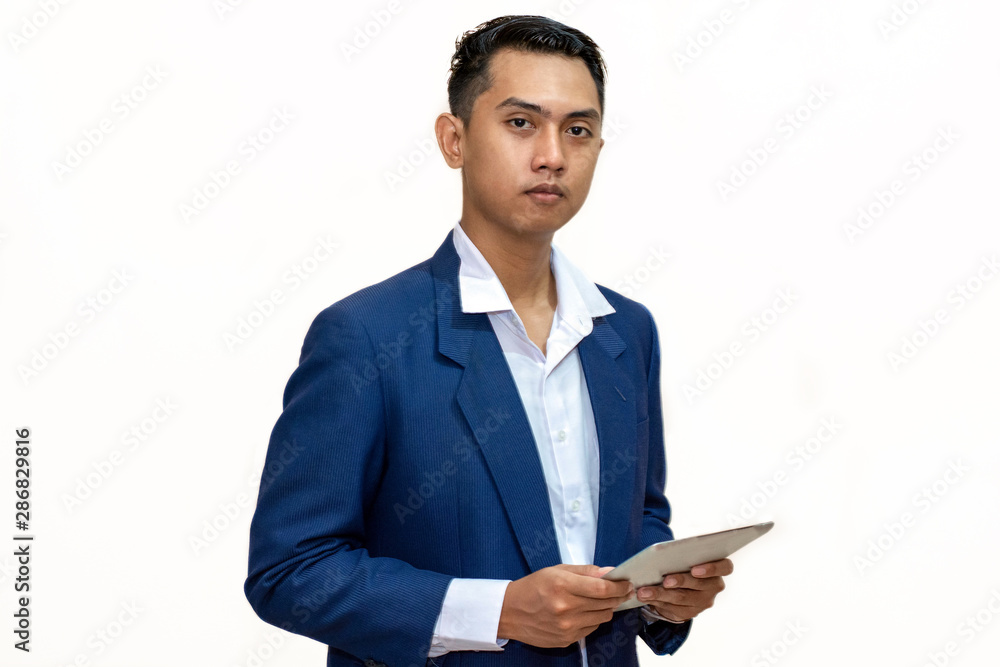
(548, 189)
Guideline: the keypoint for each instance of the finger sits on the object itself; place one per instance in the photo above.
(679, 597)
(594, 617)
(718, 568)
(686, 581)
(599, 605)
(605, 589)
(585, 570)
(596, 587)
(680, 580)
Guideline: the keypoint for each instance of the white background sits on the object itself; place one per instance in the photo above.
(675, 130)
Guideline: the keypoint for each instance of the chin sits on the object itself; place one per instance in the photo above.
(543, 224)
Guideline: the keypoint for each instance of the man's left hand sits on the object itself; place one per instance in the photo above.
(683, 596)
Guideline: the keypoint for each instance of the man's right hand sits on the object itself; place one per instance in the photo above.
(559, 605)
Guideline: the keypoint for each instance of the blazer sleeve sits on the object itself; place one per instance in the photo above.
(309, 570)
(662, 637)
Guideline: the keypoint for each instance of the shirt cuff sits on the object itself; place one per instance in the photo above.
(470, 617)
(651, 616)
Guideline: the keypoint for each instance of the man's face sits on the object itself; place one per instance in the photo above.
(539, 124)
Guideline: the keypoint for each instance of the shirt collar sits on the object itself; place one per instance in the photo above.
(480, 290)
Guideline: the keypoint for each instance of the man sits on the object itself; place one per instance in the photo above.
(467, 446)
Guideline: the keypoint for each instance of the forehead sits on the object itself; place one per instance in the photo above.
(554, 81)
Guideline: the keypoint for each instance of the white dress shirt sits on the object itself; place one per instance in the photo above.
(553, 390)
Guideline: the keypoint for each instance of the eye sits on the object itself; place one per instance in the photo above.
(584, 132)
(523, 122)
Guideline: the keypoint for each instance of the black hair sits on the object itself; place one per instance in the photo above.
(470, 73)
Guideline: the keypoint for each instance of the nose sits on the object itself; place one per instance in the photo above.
(548, 150)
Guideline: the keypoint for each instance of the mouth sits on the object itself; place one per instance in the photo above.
(545, 193)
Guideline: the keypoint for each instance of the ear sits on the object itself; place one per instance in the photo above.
(449, 130)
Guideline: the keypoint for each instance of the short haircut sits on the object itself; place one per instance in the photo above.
(470, 73)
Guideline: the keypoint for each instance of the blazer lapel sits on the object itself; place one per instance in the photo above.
(488, 397)
(612, 397)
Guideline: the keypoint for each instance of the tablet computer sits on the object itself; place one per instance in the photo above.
(649, 566)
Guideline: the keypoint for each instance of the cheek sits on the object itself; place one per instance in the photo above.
(497, 170)
(586, 165)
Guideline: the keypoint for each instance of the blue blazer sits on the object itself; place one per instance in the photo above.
(403, 458)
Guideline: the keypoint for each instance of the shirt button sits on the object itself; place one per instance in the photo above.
(562, 434)
(576, 506)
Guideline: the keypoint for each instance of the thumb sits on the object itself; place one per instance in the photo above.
(586, 570)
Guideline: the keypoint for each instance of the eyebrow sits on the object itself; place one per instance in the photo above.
(518, 103)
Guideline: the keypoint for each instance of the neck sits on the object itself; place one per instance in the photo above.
(521, 262)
